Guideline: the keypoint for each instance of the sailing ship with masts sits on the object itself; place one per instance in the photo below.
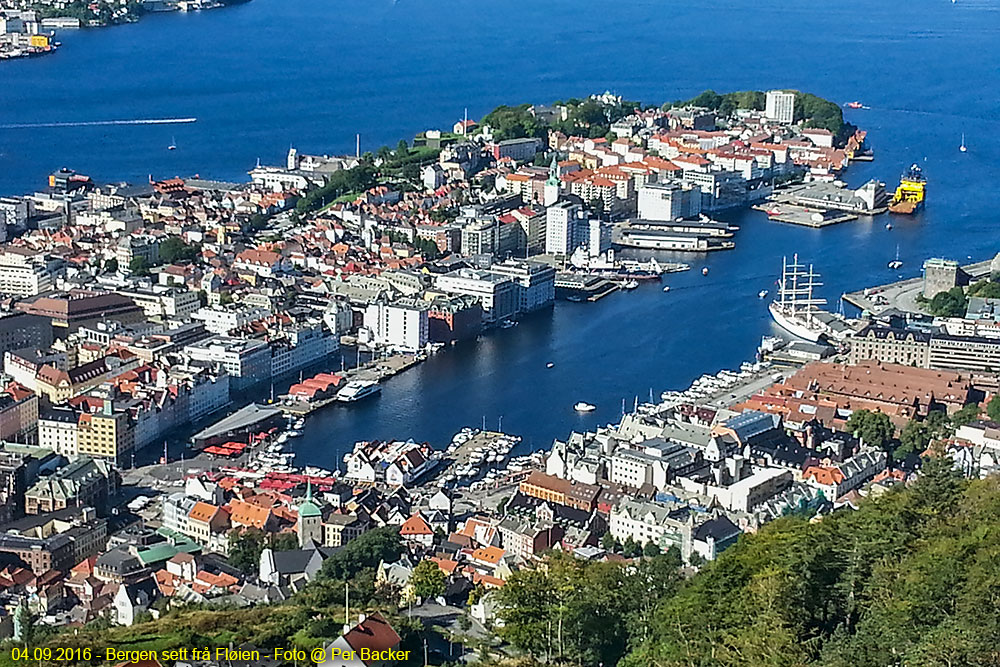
(795, 307)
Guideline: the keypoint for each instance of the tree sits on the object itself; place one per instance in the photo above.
(608, 542)
(650, 550)
(874, 428)
(428, 580)
(512, 123)
(174, 249)
(111, 266)
(245, 548)
(402, 148)
(986, 289)
(948, 304)
(366, 551)
(139, 266)
(993, 408)
(631, 548)
(915, 437)
(502, 505)
(968, 413)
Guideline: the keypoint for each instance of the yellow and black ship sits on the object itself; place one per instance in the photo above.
(910, 193)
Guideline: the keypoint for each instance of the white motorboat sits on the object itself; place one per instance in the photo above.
(762, 294)
(549, 365)
(357, 390)
(666, 288)
(581, 406)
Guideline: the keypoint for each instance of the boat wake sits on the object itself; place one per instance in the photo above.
(97, 123)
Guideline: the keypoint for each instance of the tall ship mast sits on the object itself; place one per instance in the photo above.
(795, 306)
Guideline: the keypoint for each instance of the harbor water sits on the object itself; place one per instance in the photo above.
(270, 73)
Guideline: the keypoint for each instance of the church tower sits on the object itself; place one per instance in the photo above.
(310, 524)
(551, 193)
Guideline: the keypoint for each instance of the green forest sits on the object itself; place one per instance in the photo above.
(911, 578)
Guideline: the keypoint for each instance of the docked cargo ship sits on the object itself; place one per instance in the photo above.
(910, 193)
(795, 308)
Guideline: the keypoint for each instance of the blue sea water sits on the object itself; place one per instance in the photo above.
(271, 73)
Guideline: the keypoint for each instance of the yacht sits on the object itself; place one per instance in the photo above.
(581, 406)
(762, 294)
(508, 324)
(549, 365)
(299, 423)
(795, 307)
(666, 288)
(963, 147)
(630, 284)
(896, 263)
(357, 390)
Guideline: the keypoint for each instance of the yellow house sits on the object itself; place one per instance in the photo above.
(106, 435)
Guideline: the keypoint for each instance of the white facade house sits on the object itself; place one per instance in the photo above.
(247, 361)
(27, 274)
(598, 237)
(301, 345)
(668, 201)
(536, 282)
(222, 320)
(498, 294)
(780, 106)
(561, 223)
(401, 324)
(57, 431)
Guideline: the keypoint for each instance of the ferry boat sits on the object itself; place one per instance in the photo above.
(910, 194)
(584, 407)
(357, 390)
(794, 308)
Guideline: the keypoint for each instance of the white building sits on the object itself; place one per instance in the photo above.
(536, 282)
(402, 324)
(57, 431)
(498, 294)
(561, 223)
(222, 320)
(248, 362)
(159, 301)
(780, 106)
(598, 237)
(303, 344)
(26, 273)
(668, 202)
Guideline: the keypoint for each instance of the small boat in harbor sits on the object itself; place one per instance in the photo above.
(581, 406)
(630, 284)
(855, 105)
(508, 324)
(896, 263)
(762, 294)
(666, 288)
(173, 145)
(704, 271)
(963, 147)
(549, 365)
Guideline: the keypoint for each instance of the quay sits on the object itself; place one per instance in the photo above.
(802, 215)
(902, 294)
(375, 370)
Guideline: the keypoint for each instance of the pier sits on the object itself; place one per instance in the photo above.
(903, 294)
(375, 370)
